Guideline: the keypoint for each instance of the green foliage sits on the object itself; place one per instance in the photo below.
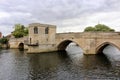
(99, 27)
(25, 31)
(89, 29)
(4, 40)
(20, 31)
(102, 27)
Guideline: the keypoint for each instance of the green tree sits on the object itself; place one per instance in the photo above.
(25, 31)
(20, 31)
(89, 29)
(99, 27)
(4, 40)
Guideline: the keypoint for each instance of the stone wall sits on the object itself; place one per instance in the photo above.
(14, 42)
(42, 41)
(43, 38)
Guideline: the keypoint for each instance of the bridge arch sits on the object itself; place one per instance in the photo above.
(21, 46)
(101, 47)
(63, 44)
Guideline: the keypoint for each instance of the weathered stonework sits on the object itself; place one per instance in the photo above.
(15, 42)
(43, 38)
(41, 41)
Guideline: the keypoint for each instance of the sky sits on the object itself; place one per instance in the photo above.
(67, 15)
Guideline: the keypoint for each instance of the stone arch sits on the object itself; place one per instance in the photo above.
(63, 45)
(101, 47)
(21, 46)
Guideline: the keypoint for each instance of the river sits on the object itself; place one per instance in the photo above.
(70, 65)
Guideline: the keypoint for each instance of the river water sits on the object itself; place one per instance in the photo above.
(70, 65)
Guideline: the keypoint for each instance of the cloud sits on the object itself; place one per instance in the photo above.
(4, 14)
(68, 15)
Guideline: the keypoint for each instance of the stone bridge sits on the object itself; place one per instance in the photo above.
(43, 38)
(90, 42)
(20, 43)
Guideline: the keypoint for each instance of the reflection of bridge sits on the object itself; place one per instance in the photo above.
(43, 38)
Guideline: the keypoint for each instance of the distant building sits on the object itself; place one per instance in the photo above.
(8, 36)
(0, 35)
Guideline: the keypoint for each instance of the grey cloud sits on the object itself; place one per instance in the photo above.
(27, 11)
(57, 9)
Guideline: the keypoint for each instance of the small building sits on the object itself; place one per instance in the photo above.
(41, 37)
(0, 35)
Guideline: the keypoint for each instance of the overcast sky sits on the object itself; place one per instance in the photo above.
(67, 15)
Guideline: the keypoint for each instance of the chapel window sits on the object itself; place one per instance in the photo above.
(46, 30)
(35, 30)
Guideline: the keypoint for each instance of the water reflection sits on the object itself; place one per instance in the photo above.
(112, 53)
(75, 53)
(17, 65)
(43, 65)
(12, 66)
(88, 61)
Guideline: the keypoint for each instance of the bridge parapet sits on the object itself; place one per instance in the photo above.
(89, 41)
(89, 35)
(14, 42)
(43, 38)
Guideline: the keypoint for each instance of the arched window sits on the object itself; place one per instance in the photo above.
(46, 30)
(35, 30)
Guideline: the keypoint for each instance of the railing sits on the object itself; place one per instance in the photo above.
(31, 44)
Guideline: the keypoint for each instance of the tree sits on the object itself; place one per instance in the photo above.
(102, 27)
(25, 31)
(20, 31)
(89, 29)
(4, 40)
(99, 27)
